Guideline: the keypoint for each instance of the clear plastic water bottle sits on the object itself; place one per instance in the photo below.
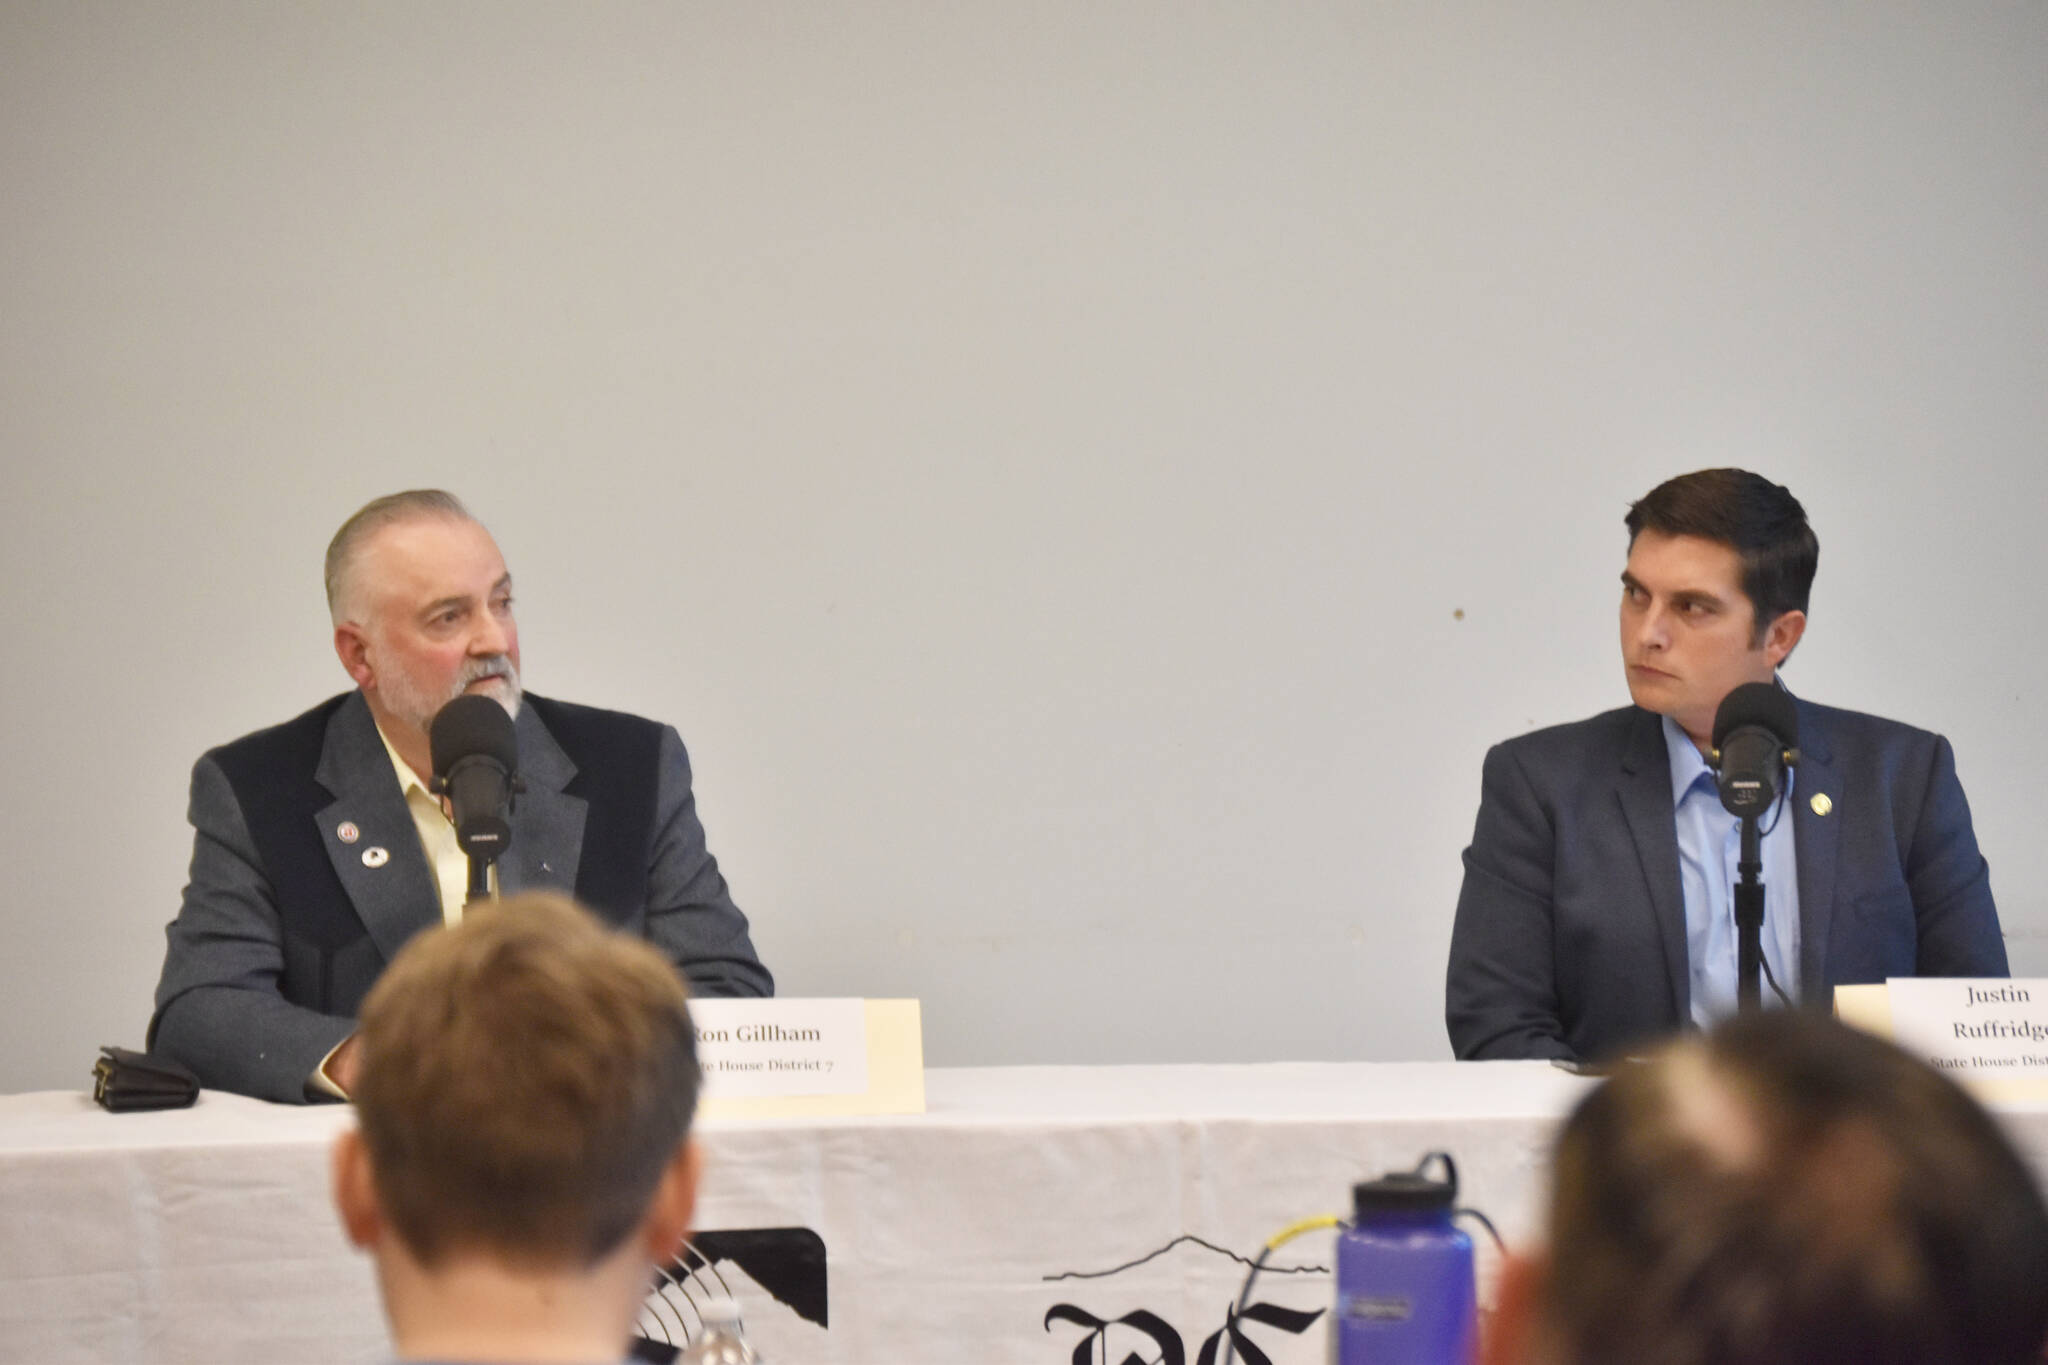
(721, 1342)
(1405, 1289)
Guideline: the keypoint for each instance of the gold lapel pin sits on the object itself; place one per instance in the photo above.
(375, 857)
(347, 832)
(1820, 803)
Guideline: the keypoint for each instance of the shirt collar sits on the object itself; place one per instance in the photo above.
(1688, 764)
(407, 778)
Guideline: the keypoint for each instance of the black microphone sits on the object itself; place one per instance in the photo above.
(476, 764)
(1756, 737)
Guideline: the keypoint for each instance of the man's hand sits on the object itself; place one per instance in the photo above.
(342, 1066)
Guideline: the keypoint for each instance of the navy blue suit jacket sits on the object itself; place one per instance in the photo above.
(1570, 935)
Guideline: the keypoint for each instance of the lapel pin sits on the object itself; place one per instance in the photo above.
(375, 857)
(347, 832)
(1820, 803)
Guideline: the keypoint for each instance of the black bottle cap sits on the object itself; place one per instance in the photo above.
(1407, 1191)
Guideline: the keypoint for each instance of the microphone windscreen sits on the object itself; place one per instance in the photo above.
(472, 726)
(1765, 705)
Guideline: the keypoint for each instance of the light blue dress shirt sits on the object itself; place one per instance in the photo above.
(1709, 845)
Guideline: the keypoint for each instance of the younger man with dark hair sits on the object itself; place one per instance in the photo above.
(523, 1160)
(1596, 912)
(1785, 1191)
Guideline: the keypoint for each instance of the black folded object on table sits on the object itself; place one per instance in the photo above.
(123, 1080)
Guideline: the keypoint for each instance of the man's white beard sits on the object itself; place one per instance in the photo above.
(417, 709)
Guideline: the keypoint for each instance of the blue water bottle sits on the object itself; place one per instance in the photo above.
(1405, 1292)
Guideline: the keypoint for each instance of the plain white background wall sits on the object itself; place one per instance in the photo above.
(1087, 479)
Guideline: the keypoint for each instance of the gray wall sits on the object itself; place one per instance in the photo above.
(1088, 479)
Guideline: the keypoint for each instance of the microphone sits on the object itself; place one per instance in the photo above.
(1756, 737)
(476, 764)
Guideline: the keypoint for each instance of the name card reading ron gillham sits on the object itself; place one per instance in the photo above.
(781, 1047)
(1974, 1027)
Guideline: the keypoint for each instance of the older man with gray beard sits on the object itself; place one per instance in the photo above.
(320, 849)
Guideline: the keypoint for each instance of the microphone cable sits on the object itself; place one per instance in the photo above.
(1764, 958)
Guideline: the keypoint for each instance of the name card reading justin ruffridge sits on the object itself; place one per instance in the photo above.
(764, 1058)
(1976, 1027)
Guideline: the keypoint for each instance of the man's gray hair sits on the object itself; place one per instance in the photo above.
(412, 505)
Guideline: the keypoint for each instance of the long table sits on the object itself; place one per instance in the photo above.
(1034, 1214)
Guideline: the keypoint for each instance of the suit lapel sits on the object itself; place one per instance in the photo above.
(1644, 789)
(1816, 845)
(393, 891)
(547, 822)
(399, 896)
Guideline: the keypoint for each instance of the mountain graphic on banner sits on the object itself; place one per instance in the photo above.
(1187, 1238)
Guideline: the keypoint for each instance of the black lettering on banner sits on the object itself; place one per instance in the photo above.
(1172, 1351)
(1096, 1346)
(1291, 1320)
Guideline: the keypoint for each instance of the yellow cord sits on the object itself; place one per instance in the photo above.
(1294, 1230)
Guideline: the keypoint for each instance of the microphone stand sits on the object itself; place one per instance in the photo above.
(1749, 919)
(479, 881)
(1756, 733)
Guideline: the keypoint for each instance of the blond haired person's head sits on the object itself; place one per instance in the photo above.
(523, 1157)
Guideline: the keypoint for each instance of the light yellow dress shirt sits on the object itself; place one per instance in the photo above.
(437, 837)
(444, 855)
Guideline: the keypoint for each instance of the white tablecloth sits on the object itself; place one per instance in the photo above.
(206, 1235)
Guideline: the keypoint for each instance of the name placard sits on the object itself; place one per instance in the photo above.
(786, 1058)
(1973, 1027)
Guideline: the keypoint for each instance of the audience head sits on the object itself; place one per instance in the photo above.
(1784, 1191)
(524, 1100)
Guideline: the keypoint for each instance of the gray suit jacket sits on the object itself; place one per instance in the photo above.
(1570, 934)
(258, 988)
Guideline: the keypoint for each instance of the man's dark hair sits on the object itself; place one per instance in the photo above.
(1788, 1190)
(1760, 520)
